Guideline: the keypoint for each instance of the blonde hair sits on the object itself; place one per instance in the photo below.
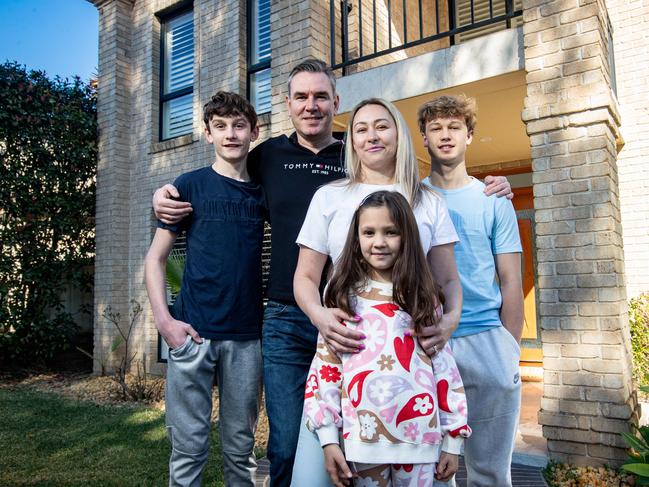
(406, 173)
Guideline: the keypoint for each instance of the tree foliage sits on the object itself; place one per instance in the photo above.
(639, 326)
(48, 150)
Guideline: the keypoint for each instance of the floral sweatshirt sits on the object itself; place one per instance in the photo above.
(391, 406)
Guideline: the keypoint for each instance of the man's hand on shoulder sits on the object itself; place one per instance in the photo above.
(167, 209)
(499, 186)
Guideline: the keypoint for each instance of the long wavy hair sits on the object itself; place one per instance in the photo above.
(406, 173)
(413, 286)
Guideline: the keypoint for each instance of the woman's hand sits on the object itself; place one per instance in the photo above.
(434, 338)
(329, 322)
(447, 466)
(168, 210)
(336, 465)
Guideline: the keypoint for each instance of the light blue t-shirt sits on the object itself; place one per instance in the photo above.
(486, 226)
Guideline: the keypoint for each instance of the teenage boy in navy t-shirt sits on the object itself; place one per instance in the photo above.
(214, 325)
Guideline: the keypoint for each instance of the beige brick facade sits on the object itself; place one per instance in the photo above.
(589, 201)
(632, 66)
(572, 119)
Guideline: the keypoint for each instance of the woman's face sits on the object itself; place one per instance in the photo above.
(374, 138)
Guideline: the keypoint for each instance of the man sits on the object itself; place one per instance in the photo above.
(291, 169)
(488, 257)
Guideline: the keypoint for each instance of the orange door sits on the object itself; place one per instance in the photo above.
(524, 205)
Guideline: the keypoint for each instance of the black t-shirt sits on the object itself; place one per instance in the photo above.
(290, 174)
(221, 294)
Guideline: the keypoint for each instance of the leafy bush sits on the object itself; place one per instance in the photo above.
(639, 325)
(48, 151)
(638, 462)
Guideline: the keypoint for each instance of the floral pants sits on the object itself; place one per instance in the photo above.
(396, 475)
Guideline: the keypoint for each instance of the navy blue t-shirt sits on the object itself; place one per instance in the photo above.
(221, 294)
(290, 175)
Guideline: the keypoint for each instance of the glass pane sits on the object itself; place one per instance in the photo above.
(260, 37)
(179, 53)
(260, 91)
(177, 117)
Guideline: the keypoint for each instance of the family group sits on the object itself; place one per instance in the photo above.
(389, 341)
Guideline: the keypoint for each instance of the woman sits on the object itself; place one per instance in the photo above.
(379, 156)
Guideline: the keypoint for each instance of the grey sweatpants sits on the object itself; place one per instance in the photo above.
(190, 375)
(488, 363)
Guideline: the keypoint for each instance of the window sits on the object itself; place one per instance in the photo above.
(259, 87)
(177, 75)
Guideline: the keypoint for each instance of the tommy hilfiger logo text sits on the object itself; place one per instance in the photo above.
(314, 167)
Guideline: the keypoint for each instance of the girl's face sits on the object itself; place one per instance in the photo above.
(379, 240)
(374, 138)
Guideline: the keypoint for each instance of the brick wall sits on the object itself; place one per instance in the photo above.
(113, 172)
(297, 33)
(632, 65)
(572, 120)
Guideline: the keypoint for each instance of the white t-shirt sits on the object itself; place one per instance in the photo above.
(332, 208)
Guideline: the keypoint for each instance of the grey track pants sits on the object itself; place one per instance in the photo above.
(488, 363)
(191, 370)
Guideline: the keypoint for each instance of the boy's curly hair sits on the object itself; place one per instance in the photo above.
(229, 104)
(447, 106)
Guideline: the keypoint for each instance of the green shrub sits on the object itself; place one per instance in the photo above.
(48, 160)
(639, 325)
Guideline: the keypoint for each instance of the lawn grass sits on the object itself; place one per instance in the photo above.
(47, 440)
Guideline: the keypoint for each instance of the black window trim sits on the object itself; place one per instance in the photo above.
(163, 18)
(257, 67)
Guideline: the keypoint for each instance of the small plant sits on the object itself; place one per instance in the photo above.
(174, 273)
(101, 359)
(638, 462)
(138, 386)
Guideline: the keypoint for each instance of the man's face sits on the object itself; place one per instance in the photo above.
(312, 104)
(447, 140)
(231, 137)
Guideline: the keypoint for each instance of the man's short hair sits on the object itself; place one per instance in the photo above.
(447, 106)
(313, 65)
(228, 104)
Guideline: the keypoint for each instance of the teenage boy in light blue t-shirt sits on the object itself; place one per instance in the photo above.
(488, 257)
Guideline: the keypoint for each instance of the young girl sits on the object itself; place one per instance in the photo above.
(393, 412)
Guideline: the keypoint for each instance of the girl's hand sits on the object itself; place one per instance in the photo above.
(447, 466)
(339, 338)
(336, 465)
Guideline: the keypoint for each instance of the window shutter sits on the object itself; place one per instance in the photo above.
(260, 55)
(178, 75)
